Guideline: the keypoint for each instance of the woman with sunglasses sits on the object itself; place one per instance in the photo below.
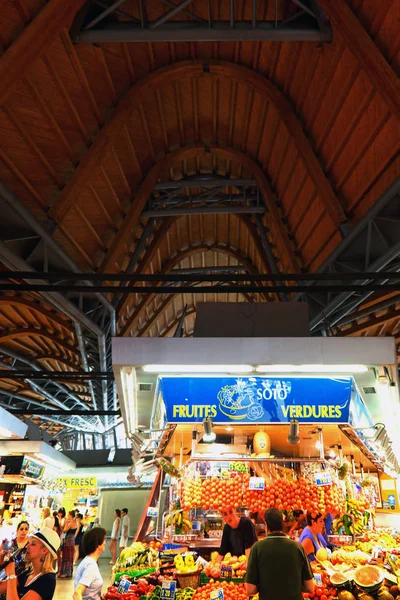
(38, 582)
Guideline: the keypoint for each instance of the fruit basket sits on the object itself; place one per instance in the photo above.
(191, 580)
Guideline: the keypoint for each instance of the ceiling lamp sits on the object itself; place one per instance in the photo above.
(293, 437)
(209, 435)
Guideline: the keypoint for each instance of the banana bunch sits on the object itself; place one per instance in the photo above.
(361, 517)
(179, 520)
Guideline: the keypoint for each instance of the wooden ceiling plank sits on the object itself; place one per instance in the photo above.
(391, 315)
(302, 143)
(102, 206)
(132, 101)
(21, 177)
(379, 71)
(29, 141)
(35, 307)
(48, 114)
(180, 154)
(110, 84)
(90, 227)
(108, 134)
(72, 238)
(132, 150)
(36, 39)
(71, 106)
(81, 75)
(176, 259)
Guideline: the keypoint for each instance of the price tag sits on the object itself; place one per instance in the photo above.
(256, 483)
(226, 571)
(168, 589)
(217, 594)
(201, 562)
(318, 579)
(124, 586)
(323, 478)
(152, 511)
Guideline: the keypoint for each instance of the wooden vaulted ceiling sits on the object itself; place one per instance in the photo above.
(87, 131)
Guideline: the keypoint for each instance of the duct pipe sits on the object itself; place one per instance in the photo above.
(20, 209)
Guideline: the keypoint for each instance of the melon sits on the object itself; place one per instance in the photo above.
(321, 554)
(338, 578)
(261, 442)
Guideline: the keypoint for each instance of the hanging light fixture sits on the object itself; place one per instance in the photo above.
(293, 437)
(381, 435)
(209, 435)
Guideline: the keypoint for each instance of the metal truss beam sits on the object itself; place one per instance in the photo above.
(228, 289)
(202, 181)
(373, 245)
(303, 21)
(193, 209)
(350, 276)
(305, 31)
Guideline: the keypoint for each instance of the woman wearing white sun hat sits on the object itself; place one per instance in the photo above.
(40, 577)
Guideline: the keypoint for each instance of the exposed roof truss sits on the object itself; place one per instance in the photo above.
(197, 21)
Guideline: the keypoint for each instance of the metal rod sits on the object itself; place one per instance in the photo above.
(104, 14)
(131, 277)
(169, 14)
(201, 289)
(219, 31)
(230, 209)
(201, 182)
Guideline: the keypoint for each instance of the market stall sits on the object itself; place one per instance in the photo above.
(290, 426)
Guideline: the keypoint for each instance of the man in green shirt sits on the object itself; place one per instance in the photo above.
(278, 566)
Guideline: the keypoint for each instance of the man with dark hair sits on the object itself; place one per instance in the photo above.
(278, 566)
(238, 536)
(125, 527)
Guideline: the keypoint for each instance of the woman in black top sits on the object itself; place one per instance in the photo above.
(40, 577)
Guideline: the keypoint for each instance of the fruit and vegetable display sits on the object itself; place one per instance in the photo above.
(237, 566)
(136, 557)
(185, 564)
(179, 519)
(232, 491)
(232, 591)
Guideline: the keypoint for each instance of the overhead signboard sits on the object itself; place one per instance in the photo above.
(82, 483)
(257, 399)
(31, 468)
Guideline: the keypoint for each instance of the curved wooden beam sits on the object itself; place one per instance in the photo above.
(68, 363)
(17, 333)
(137, 94)
(36, 307)
(171, 263)
(382, 76)
(187, 153)
(36, 38)
(158, 236)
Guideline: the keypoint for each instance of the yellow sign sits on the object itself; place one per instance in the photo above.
(82, 483)
(390, 497)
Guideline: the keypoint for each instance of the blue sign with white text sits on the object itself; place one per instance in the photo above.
(257, 399)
